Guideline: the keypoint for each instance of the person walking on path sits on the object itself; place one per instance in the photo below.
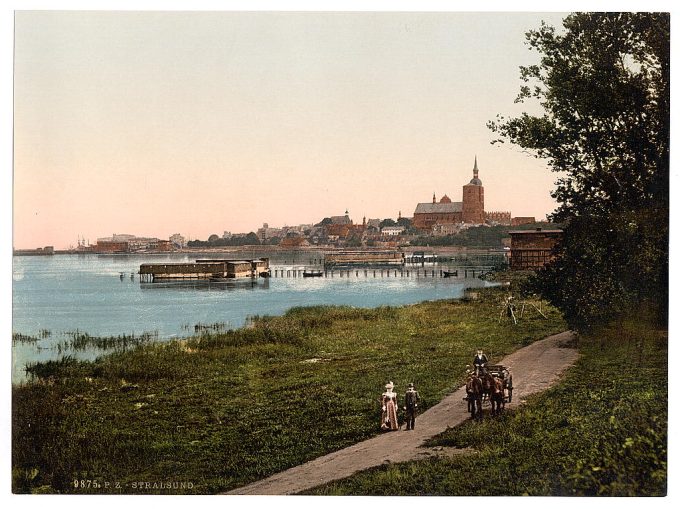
(411, 400)
(388, 400)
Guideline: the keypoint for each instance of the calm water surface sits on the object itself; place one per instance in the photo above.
(64, 293)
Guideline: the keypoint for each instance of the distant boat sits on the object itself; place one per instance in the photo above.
(312, 273)
(450, 273)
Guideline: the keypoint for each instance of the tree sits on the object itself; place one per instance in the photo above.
(252, 239)
(213, 238)
(405, 222)
(604, 86)
(387, 222)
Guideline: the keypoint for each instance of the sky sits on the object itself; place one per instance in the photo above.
(155, 123)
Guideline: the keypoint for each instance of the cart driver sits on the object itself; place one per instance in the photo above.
(480, 361)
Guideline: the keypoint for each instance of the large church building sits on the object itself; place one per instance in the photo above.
(470, 210)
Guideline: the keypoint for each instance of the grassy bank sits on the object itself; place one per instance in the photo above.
(602, 431)
(234, 407)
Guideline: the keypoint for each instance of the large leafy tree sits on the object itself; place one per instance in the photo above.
(603, 85)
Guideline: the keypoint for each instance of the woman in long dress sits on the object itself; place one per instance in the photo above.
(388, 399)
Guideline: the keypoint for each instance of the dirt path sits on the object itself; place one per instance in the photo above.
(534, 369)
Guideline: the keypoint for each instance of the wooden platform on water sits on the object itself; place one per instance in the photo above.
(204, 270)
(363, 259)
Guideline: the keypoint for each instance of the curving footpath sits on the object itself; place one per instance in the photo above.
(534, 369)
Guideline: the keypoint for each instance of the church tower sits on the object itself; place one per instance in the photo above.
(473, 199)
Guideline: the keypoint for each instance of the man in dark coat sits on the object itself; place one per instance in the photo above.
(411, 399)
(480, 361)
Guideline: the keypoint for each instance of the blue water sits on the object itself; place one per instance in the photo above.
(65, 293)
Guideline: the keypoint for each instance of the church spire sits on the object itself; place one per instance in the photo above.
(434, 198)
(475, 175)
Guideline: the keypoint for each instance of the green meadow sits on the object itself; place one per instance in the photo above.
(224, 409)
(601, 431)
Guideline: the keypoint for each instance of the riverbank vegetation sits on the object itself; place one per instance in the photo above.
(479, 236)
(601, 431)
(228, 408)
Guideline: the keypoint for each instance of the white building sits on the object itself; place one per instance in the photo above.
(392, 231)
(178, 240)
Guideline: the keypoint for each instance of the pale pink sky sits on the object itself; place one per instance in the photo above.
(157, 123)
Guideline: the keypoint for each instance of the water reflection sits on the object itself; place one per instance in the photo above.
(206, 286)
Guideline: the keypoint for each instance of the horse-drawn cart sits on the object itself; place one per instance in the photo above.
(493, 384)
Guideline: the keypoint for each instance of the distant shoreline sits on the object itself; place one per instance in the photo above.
(269, 248)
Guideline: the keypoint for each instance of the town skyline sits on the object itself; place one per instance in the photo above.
(82, 241)
(157, 123)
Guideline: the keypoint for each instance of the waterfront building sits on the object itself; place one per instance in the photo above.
(126, 243)
(178, 240)
(532, 249)
(110, 246)
(47, 250)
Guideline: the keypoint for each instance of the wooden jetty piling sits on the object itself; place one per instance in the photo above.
(356, 272)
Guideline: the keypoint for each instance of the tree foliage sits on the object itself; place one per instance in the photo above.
(603, 83)
(251, 239)
(388, 222)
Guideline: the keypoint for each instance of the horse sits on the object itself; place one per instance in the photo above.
(474, 390)
(469, 392)
(488, 385)
(497, 397)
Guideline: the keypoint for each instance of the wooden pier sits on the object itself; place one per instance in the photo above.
(382, 272)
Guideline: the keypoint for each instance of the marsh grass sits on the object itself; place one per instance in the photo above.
(83, 341)
(602, 431)
(227, 408)
(24, 338)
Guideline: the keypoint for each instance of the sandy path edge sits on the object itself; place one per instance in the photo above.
(534, 369)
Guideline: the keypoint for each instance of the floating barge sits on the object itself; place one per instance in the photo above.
(204, 270)
(339, 259)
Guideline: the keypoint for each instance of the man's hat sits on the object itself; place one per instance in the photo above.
(410, 386)
(389, 385)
